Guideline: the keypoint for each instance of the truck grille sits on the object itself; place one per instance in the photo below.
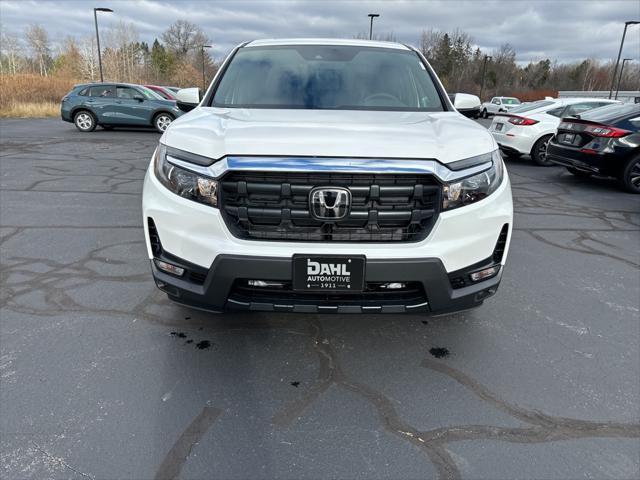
(275, 206)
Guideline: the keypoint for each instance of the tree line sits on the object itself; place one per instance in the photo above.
(176, 58)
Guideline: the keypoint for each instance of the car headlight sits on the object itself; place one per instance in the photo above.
(181, 181)
(476, 187)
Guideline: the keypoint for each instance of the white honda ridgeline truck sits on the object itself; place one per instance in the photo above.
(325, 176)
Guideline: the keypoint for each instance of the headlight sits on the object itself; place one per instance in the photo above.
(472, 189)
(184, 182)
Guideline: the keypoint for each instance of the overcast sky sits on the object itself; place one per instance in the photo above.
(565, 30)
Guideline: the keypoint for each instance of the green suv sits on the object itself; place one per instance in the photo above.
(117, 104)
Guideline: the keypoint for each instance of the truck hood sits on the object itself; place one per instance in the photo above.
(218, 132)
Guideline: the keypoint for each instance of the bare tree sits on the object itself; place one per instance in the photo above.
(89, 58)
(183, 36)
(10, 48)
(38, 40)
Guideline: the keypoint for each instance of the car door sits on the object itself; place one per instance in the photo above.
(494, 105)
(101, 101)
(130, 105)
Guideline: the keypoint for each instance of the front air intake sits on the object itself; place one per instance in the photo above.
(154, 238)
(501, 244)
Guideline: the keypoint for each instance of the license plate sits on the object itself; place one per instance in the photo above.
(498, 127)
(328, 273)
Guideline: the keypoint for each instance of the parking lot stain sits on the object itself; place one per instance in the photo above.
(203, 345)
(439, 352)
(425, 322)
(179, 334)
(295, 384)
(188, 342)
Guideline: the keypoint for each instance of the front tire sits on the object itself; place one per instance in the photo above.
(539, 151)
(162, 121)
(84, 121)
(485, 114)
(630, 177)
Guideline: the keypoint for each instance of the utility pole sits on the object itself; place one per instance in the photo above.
(615, 70)
(95, 20)
(484, 68)
(204, 80)
(624, 60)
(372, 16)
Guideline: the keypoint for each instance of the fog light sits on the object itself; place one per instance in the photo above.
(486, 273)
(393, 285)
(264, 284)
(168, 268)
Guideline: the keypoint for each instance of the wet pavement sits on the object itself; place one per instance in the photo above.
(102, 377)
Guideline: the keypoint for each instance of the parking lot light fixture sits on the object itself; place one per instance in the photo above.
(95, 19)
(615, 69)
(624, 60)
(372, 16)
(204, 79)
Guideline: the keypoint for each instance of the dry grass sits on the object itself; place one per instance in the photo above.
(30, 110)
(32, 95)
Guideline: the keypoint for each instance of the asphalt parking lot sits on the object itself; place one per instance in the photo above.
(102, 377)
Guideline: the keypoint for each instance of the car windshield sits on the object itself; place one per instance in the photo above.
(532, 106)
(510, 101)
(611, 112)
(327, 77)
(150, 94)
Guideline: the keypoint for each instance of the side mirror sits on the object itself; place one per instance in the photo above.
(139, 98)
(187, 99)
(465, 101)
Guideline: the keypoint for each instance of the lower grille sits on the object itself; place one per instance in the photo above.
(275, 206)
(154, 238)
(373, 298)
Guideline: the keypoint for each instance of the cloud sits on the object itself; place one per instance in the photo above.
(563, 30)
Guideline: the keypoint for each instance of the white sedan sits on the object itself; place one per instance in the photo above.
(526, 130)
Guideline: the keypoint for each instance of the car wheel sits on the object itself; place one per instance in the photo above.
(579, 173)
(630, 178)
(84, 121)
(539, 151)
(162, 121)
(485, 114)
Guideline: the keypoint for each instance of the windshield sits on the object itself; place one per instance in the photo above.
(532, 106)
(327, 77)
(151, 95)
(611, 112)
(510, 101)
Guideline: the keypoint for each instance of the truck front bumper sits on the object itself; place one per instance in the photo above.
(224, 286)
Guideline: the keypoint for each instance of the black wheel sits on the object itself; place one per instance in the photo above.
(84, 121)
(579, 173)
(162, 121)
(630, 177)
(539, 151)
(485, 114)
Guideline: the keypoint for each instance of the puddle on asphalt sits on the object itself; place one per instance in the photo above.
(203, 345)
(439, 352)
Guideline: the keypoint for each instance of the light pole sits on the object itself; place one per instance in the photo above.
(204, 80)
(95, 19)
(615, 70)
(372, 16)
(624, 60)
(484, 68)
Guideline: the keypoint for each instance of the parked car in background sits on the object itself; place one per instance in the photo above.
(164, 92)
(471, 112)
(117, 104)
(526, 130)
(498, 105)
(172, 89)
(605, 141)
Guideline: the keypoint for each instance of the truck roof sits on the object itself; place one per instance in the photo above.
(354, 42)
